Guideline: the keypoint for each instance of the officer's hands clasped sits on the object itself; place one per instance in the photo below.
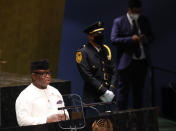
(107, 96)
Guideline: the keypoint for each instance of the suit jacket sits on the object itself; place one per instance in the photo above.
(97, 70)
(121, 36)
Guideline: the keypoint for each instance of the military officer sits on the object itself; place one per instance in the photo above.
(94, 62)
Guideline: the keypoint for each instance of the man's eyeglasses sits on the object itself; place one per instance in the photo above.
(43, 73)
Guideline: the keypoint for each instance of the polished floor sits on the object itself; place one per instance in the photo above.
(166, 124)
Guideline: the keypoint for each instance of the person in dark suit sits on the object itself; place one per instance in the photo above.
(131, 34)
(95, 64)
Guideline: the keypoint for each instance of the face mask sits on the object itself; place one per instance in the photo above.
(134, 16)
(99, 39)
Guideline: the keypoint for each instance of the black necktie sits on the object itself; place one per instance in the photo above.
(137, 47)
(135, 28)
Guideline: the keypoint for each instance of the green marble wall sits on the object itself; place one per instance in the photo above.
(30, 30)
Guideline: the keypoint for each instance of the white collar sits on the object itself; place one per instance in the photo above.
(129, 19)
(38, 89)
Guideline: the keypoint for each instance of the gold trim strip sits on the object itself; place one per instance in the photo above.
(105, 76)
(97, 30)
(109, 52)
(112, 86)
(100, 87)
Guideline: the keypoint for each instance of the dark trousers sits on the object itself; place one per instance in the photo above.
(132, 77)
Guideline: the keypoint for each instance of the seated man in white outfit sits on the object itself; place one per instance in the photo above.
(39, 102)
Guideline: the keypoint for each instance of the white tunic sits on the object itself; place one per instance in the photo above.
(34, 105)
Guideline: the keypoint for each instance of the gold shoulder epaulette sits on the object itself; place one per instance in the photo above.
(109, 52)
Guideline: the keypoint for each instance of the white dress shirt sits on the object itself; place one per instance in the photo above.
(34, 105)
(140, 44)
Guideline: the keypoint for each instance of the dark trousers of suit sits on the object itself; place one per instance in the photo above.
(133, 77)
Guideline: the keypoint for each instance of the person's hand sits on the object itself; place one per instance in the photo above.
(62, 117)
(103, 98)
(56, 118)
(135, 38)
(107, 96)
(52, 118)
